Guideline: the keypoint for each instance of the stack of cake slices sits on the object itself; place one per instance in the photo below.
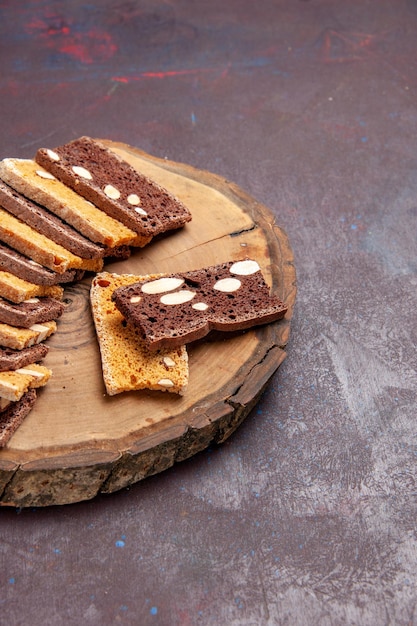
(63, 214)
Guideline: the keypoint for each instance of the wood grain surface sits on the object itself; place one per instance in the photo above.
(78, 441)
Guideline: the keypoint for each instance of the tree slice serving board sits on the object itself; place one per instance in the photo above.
(77, 441)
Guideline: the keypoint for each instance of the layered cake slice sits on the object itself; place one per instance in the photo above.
(48, 224)
(179, 308)
(34, 182)
(126, 363)
(114, 186)
(29, 312)
(21, 266)
(41, 249)
(13, 414)
(19, 338)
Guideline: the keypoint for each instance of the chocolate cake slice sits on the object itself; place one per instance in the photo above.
(179, 308)
(114, 186)
(14, 414)
(29, 312)
(11, 360)
(30, 271)
(48, 224)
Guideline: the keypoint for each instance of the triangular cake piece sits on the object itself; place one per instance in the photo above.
(99, 175)
(180, 308)
(126, 363)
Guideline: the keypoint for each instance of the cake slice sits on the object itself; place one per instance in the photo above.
(34, 182)
(179, 308)
(15, 383)
(127, 365)
(13, 415)
(21, 266)
(48, 224)
(18, 290)
(19, 338)
(114, 186)
(14, 359)
(41, 249)
(29, 312)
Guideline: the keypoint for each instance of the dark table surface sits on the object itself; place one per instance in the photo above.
(307, 514)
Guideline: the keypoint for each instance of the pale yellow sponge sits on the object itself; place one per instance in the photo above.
(127, 365)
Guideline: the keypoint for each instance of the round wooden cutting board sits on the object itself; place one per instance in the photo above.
(77, 441)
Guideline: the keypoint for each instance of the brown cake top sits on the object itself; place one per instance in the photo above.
(180, 308)
(114, 186)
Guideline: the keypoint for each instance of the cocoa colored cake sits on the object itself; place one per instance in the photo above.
(180, 308)
(110, 183)
(11, 360)
(29, 312)
(14, 414)
(22, 267)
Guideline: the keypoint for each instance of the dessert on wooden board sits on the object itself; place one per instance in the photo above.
(63, 214)
(126, 362)
(49, 224)
(51, 234)
(114, 186)
(179, 308)
(34, 182)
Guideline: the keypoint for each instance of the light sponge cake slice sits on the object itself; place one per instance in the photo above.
(18, 290)
(19, 338)
(15, 383)
(127, 365)
(41, 249)
(34, 182)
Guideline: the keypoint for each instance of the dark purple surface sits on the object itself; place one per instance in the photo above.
(307, 515)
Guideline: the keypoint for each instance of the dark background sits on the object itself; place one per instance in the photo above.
(307, 515)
